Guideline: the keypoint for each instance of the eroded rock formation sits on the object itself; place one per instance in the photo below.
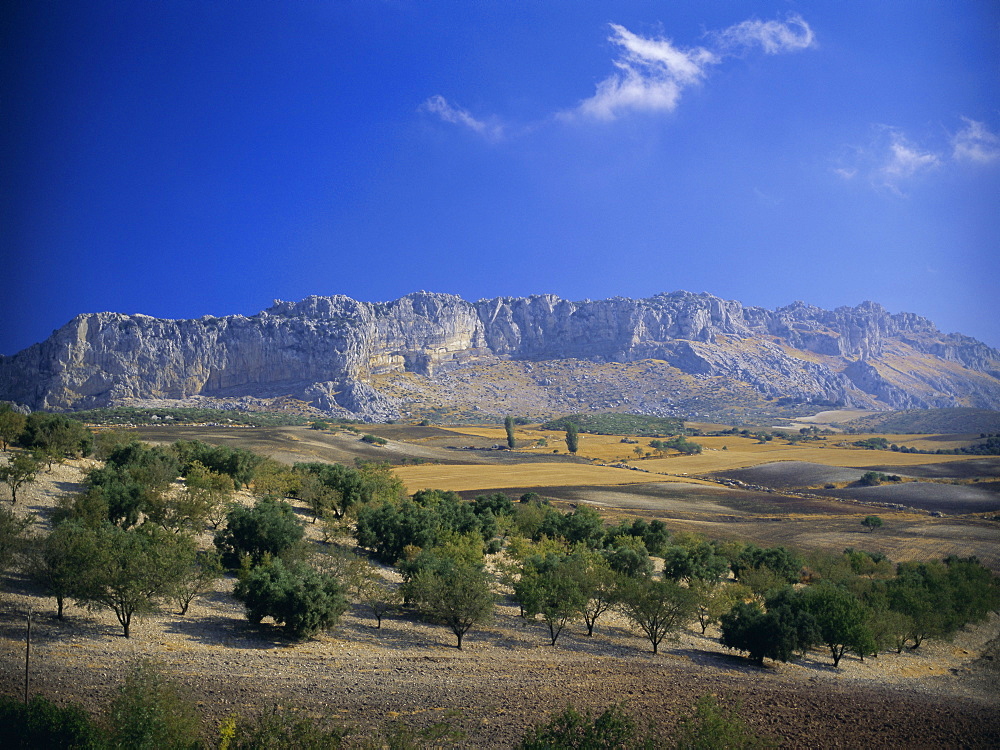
(327, 350)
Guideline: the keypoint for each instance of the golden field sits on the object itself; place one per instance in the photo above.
(487, 477)
(733, 452)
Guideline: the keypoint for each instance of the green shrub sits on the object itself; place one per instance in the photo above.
(572, 730)
(270, 528)
(151, 712)
(42, 724)
(712, 726)
(295, 596)
(278, 728)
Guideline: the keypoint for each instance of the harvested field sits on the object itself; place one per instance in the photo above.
(516, 475)
(971, 468)
(792, 474)
(931, 496)
(745, 453)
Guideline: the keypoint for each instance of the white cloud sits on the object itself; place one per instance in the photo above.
(891, 158)
(449, 113)
(975, 143)
(651, 75)
(905, 160)
(774, 37)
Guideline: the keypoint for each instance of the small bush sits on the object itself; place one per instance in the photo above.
(42, 724)
(280, 729)
(571, 730)
(296, 597)
(151, 712)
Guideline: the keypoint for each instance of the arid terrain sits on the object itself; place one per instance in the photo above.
(508, 676)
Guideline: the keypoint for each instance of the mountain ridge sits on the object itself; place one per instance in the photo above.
(331, 351)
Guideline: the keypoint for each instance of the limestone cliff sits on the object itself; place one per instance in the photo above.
(331, 350)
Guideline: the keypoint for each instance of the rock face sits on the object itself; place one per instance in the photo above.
(330, 350)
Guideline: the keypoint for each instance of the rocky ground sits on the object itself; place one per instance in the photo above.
(507, 676)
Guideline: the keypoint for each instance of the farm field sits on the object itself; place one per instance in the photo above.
(507, 676)
(450, 477)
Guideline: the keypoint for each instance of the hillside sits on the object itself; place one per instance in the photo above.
(929, 421)
(435, 355)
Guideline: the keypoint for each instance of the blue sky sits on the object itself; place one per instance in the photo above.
(186, 158)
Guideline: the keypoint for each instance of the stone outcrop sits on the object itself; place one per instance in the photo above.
(327, 350)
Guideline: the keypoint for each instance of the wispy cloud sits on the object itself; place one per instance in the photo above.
(892, 159)
(904, 160)
(653, 72)
(774, 37)
(651, 75)
(440, 106)
(975, 143)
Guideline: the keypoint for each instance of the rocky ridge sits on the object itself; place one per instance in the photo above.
(334, 351)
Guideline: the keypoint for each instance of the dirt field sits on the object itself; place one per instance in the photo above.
(507, 677)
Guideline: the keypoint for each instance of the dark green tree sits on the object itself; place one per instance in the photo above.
(198, 578)
(572, 438)
(295, 596)
(782, 561)
(629, 557)
(60, 561)
(872, 522)
(554, 586)
(12, 528)
(601, 587)
(269, 528)
(508, 425)
(843, 621)
(780, 633)
(11, 425)
(132, 571)
(56, 435)
(458, 595)
(697, 561)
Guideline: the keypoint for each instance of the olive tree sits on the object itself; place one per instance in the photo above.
(21, 470)
(269, 528)
(12, 424)
(572, 438)
(132, 571)
(659, 607)
(455, 593)
(297, 597)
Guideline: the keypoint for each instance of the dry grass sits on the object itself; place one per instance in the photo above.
(485, 477)
(740, 452)
(743, 452)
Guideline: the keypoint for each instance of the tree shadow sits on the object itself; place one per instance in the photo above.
(723, 660)
(222, 631)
